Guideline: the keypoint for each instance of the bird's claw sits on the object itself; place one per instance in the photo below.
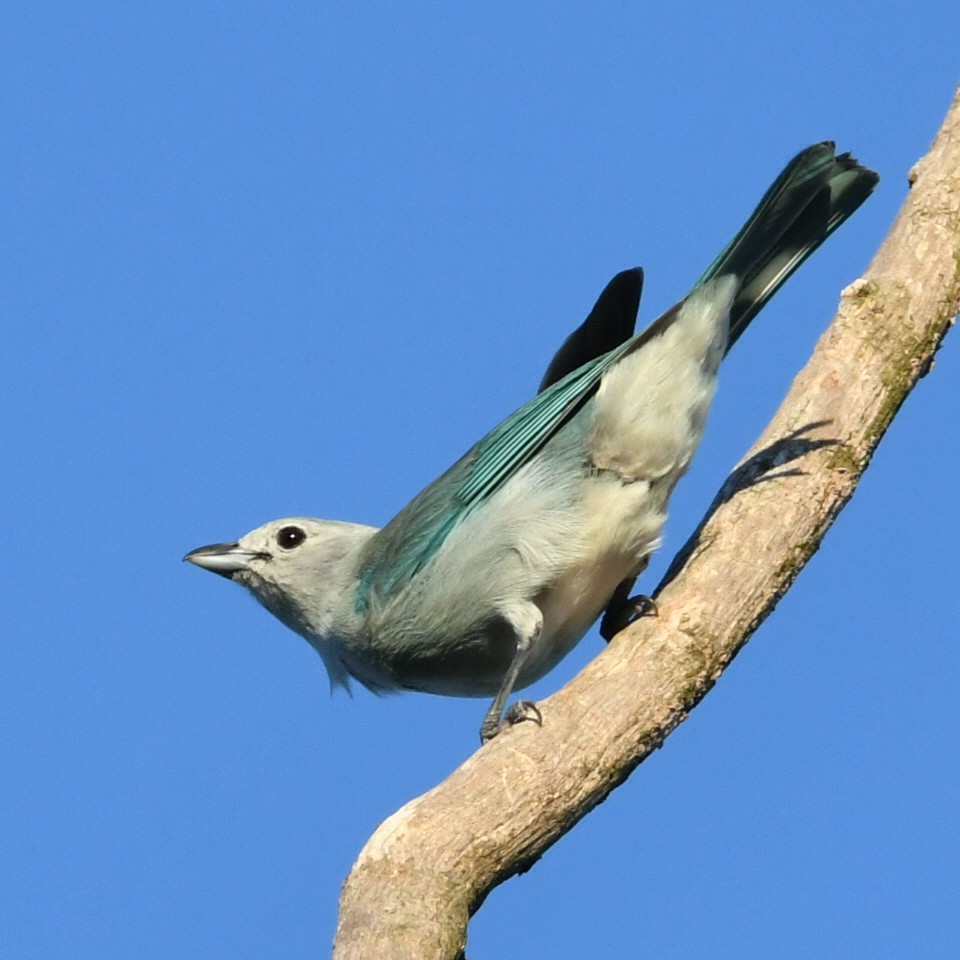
(518, 712)
(621, 615)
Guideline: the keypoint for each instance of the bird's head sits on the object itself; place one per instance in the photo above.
(299, 568)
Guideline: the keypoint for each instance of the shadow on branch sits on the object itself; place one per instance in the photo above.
(764, 466)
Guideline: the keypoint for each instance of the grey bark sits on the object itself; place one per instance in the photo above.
(430, 865)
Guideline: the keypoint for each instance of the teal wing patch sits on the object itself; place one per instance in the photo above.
(515, 441)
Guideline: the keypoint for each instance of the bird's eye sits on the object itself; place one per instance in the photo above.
(290, 537)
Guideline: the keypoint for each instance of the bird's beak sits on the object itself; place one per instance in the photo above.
(223, 558)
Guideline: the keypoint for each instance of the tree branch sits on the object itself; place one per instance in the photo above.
(428, 867)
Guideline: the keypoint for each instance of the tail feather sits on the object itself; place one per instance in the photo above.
(813, 195)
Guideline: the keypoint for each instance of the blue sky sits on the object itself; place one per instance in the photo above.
(294, 259)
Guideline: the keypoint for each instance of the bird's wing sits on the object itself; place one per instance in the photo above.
(405, 545)
(610, 323)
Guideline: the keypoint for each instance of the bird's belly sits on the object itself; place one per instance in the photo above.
(464, 647)
(624, 528)
(569, 610)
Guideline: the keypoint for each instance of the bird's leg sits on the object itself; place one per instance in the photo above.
(623, 609)
(527, 621)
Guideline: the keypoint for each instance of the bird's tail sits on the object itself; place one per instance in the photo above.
(813, 195)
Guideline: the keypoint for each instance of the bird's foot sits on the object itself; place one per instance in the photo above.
(516, 713)
(621, 615)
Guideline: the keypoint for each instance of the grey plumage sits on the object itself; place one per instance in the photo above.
(495, 571)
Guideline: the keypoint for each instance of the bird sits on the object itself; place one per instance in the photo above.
(495, 571)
